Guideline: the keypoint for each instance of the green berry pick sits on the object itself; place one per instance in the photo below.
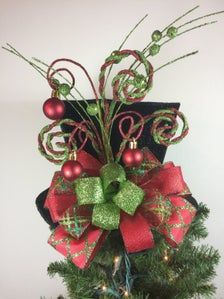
(172, 32)
(156, 36)
(154, 49)
(64, 89)
(92, 109)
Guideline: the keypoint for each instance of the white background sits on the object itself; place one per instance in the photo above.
(88, 31)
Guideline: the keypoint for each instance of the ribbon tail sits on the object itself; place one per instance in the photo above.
(178, 224)
(60, 197)
(76, 220)
(81, 252)
(136, 233)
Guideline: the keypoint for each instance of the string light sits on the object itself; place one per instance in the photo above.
(166, 257)
(126, 294)
(116, 259)
(117, 262)
(104, 288)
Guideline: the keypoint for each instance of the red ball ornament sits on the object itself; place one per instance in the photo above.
(132, 157)
(71, 170)
(54, 108)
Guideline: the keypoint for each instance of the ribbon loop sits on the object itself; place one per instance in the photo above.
(76, 220)
(106, 216)
(112, 173)
(89, 191)
(154, 198)
(129, 197)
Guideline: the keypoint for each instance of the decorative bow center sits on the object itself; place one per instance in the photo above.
(109, 194)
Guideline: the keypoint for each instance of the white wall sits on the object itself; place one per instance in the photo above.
(88, 31)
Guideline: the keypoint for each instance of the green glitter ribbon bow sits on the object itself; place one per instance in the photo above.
(110, 193)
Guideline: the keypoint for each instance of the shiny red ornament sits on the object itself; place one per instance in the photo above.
(132, 157)
(54, 108)
(71, 170)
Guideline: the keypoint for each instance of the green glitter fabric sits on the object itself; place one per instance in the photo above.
(133, 193)
(89, 191)
(106, 216)
(109, 194)
(111, 173)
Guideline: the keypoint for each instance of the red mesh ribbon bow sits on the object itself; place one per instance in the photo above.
(164, 208)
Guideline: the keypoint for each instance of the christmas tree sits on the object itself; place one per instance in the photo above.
(161, 272)
(126, 223)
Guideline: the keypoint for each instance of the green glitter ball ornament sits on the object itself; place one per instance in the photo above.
(172, 32)
(154, 49)
(64, 89)
(92, 109)
(156, 36)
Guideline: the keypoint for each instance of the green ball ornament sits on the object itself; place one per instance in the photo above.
(156, 36)
(154, 49)
(92, 109)
(64, 89)
(172, 32)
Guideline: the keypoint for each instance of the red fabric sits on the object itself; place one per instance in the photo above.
(178, 224)
(81, 252)
(61, 192)
(90, 165)
(136, 233)
(60, 197)
(164, 208)
(76, 220)
(167, 179)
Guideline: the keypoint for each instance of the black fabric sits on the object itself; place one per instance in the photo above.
(146, 140)
(40, 200)
(193, 201)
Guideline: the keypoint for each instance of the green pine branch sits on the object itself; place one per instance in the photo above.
(187, 274)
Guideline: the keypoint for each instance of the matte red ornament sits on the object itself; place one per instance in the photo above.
(54, 108)
(132, 157)
(71, 170)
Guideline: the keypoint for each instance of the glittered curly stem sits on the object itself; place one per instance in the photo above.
(122, 44)
(106, 144)
(134, 131)
(112, 107)
(60, 156)
(43, 73)
(121, 88)
(49, 75)
(164, 126)
(163, 130)
(180, 33)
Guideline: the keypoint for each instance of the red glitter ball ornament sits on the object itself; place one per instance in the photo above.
(71, 170)
(54, 108)
(132, 157)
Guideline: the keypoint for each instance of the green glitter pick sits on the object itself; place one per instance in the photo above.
(172, 32)
(156, 36)
(154, 49)
(64, 89)
(92, 109)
